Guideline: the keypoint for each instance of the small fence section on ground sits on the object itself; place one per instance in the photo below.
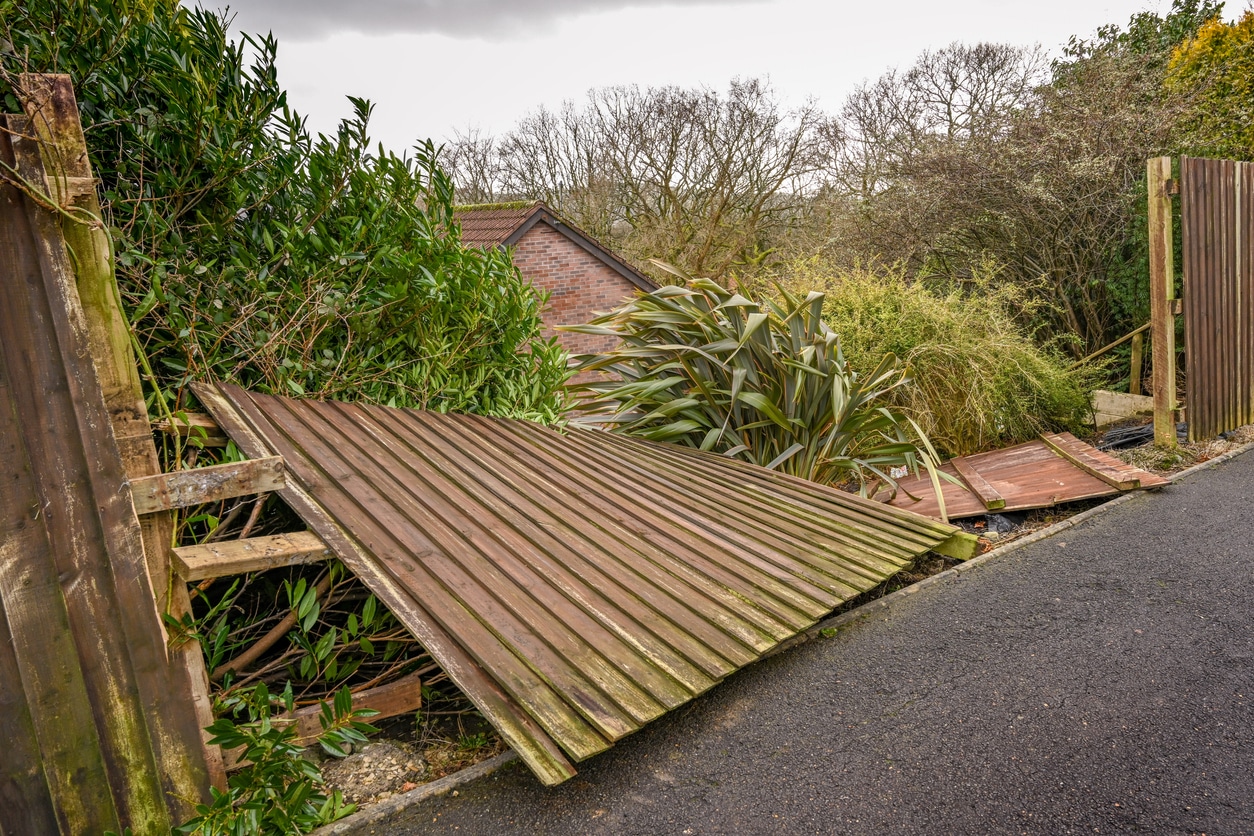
(1217, 219)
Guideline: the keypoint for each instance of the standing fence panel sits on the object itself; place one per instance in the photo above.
(1217, 220)
(84, 672)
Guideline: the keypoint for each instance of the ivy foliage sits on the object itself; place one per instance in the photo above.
(252, 251)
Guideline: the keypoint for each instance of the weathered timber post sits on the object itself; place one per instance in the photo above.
(1135, 367)
(1162, 293)
(183, 706)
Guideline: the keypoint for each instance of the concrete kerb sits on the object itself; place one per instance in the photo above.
(383, 809)
(376, 813)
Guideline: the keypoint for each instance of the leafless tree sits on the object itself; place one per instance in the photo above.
(689, 176)
(471, 158)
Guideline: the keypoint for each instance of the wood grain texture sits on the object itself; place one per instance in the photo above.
(519, 731)
(183, 488)
(87, 567)
(1217, 208)
(254, 554)
(1162, 291)
(1082, 456)
(534, 572)
(978, 485)
(53, 113)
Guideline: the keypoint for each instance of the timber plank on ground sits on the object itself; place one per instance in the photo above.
(1053, 469)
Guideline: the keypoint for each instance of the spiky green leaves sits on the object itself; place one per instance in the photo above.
(763, 381)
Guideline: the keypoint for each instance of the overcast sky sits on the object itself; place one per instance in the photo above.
(435, 66)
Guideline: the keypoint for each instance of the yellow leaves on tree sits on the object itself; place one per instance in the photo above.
(1217, 66)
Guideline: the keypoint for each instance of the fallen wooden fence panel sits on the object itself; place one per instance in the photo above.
(575, 585)
(1054, 469)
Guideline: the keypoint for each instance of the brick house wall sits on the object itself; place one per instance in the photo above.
(579, 285)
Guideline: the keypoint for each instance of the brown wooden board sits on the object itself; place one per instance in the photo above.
(1217, 222)
(1026, 476)
(183, 488)
(593, 582)
(67, 177)
(80, 611)
(254, 554)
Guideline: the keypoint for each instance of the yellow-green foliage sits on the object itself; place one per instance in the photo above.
(978, 380)
(1217, 64)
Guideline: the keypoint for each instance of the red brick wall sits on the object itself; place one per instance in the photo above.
(578, 284)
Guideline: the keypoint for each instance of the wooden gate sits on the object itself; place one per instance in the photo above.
(1217, 220)
(98, 727)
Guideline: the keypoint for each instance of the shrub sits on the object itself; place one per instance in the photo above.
(249, 250)
(1216, 66)
(705, 367)
(278, 792)
(977, 378)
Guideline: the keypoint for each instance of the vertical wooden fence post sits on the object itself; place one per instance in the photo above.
(1162, 292)
(50, 102)
(1138, 355)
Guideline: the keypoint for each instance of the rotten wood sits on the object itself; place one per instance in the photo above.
(254, 554)
(53, 116)
(1162, 292)
(183, 488)
(103, 640)
(993, 501)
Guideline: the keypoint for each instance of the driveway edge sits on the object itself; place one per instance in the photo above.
(376, 813)
(872, 607)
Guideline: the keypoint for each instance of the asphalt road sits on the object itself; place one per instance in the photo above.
(1098, 681)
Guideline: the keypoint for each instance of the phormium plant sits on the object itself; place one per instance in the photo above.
(765, 382)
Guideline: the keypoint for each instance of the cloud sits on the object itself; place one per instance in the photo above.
(494, 19)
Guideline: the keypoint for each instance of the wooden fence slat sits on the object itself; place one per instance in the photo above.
(255, 554)
(178, 700)
(68, 770)
(993, 501)
(184, 488)
(24, 794)
(78, 747)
